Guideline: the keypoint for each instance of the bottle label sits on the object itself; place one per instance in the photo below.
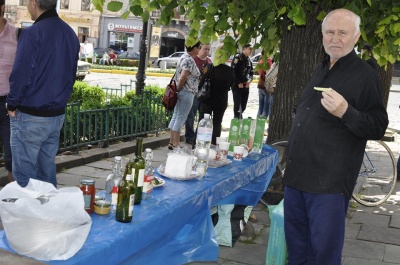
(148, 184)
(140, 178)
(87, 198)
(131, 204)
(114, 196)
(204, 134)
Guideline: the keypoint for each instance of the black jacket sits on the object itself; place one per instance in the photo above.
(242, 68)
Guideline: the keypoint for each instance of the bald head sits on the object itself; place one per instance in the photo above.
(344, 13)
(340, 32)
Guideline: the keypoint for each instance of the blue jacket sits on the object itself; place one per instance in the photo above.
(44, 71)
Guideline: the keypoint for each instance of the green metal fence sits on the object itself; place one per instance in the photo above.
(88, 127)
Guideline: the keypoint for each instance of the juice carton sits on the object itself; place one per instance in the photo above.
(234, 134)
(259, 136)
(245, 131)
(252, 134)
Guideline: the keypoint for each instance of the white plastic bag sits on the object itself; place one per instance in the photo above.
(53, 227)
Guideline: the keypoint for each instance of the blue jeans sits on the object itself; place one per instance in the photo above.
(263, 103)
(181, 110)
(34, 145)
(189, 130)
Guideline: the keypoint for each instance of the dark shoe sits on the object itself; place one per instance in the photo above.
(170, 146)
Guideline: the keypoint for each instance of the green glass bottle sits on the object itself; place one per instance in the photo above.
(138, 167)
(126, 197)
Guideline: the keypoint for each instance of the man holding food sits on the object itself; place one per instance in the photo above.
(326, 145)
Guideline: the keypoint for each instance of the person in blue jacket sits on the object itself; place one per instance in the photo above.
(41, 82)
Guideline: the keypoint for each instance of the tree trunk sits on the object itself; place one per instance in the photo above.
(386, 79)
(300, 52)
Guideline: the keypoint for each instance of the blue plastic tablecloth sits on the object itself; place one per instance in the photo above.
(174, 226)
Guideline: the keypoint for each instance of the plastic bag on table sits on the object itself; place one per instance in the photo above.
(42, 222)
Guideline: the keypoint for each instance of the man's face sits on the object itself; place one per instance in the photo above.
(205, 50)
(247, 51)
(339, 35)
(31, 6)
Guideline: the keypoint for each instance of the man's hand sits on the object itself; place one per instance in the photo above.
(240, 85)
(334, 103)
(11, 113)
(247, 84)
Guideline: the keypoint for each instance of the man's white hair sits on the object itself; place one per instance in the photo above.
(352, 15)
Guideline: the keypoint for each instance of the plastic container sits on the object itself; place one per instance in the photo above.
(102, 207)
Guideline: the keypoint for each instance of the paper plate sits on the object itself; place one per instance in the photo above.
(193, 174)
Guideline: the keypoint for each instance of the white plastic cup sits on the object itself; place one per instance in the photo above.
(238, 153)
(221, 139)
(223, 149)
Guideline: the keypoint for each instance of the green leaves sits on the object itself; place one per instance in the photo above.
(298, 15)
(114, 6)
(240, 21)
(98, 4)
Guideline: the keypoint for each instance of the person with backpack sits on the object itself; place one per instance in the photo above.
(8, 39)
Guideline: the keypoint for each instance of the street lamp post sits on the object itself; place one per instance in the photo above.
(141, 73)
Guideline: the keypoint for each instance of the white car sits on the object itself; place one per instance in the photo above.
(82, 70)
(171, 60)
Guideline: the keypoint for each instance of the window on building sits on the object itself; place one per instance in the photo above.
(83, 34)
(23, 2)
(119, 41)
(85, 6)
(64, 4)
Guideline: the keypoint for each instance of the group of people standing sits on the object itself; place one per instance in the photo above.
(190, 73)
(36, 80)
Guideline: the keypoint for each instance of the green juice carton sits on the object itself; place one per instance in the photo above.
(234, 134)
(258, 136)
(245, 131)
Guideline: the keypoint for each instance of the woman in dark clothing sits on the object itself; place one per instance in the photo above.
(221, 80)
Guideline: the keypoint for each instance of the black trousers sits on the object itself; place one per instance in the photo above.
(240, 97)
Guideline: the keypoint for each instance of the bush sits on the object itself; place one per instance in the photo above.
(91, 97)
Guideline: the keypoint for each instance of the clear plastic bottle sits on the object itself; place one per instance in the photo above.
(203, 143)
(112, 183)
(148, 174)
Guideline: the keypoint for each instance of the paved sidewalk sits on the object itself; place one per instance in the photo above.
(372, 234)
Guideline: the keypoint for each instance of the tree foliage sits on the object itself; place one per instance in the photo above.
(242, 20)
(292, 27)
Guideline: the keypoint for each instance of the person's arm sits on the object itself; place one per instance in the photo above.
(368, 121)
(238, 68)
(22, 71)
(182, 79)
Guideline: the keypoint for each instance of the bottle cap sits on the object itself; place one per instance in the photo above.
(148, 150)
(117, 158)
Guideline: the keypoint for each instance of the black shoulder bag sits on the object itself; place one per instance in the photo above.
(204, 90)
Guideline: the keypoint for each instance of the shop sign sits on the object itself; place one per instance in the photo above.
(124, 27)
(173, 35)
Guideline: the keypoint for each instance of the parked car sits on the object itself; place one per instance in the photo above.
(100, 51)
(82, 70)
(129, 55)
(171, 60)
(254, 59)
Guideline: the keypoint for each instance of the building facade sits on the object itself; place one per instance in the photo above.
(108, 29)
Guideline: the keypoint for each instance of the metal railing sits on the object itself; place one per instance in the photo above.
(145, 115)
